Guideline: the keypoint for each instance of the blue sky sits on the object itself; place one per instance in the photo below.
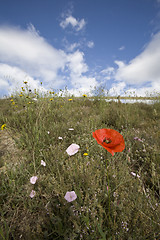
(81, 44)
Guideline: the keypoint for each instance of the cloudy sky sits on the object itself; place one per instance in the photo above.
(80, 44)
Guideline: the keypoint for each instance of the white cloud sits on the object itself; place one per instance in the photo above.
(122, 48)
(72, 47)
(77, 68)
(76, 63)
(117, 89)
(25, 55)
(108, 71)
(90, 44)
(143, 68)
(29, 51)
(12, 78)
(76, 24)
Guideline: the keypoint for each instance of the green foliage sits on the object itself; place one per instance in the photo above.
(117, 196)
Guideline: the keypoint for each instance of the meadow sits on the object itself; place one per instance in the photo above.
(113, 197)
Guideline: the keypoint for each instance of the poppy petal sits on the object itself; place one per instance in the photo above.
(110, 139)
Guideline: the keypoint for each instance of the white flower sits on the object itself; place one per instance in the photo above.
(60, 138)
(70, 196)
(32, 194)
(135, 175)
(43, 163)
(72, 149)
(71, 129)
(33, 179)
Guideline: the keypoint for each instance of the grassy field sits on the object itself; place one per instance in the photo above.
(118, 197)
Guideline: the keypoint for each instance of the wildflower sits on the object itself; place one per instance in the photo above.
(43, 163)
(20, 95)
(25, 82)
(41, 83)
(84, 95)
(33, 179)
(32, 194)
(11, 100)
(51, 99)
(110, 139)
(13, 103)
(72, 149)
(70, 196)
(85, 154)
(138, 139)
(135, 175)
(3, 126)
(70, 99)
(124, 226)
(60, 138)
(115, 194)
(48, 132)
(70, 129)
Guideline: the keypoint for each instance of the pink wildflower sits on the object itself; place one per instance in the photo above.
(70, 196)
(33, 179)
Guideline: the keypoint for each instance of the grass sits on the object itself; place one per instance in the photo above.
(118, 197)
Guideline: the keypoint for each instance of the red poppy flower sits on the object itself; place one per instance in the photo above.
(110, 139)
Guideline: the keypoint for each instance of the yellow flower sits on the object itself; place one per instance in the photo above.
(3, 126)
(12, 96)
(84, 95)
(11, 100)
(51, 99)
(25, 82)
(70, 99)
(13, 103)
(85, 154)
(20, 95)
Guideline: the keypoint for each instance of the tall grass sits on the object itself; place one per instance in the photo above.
(118, 197)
